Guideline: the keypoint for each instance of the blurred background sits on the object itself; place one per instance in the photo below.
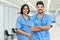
(9, 11)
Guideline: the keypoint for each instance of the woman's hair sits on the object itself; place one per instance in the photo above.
(23, 8)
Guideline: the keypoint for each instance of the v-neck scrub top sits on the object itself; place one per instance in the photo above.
(43, 34)
(23, 25)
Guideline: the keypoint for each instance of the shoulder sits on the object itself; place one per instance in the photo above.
(46, 15)
(19, 17)
(33, 17)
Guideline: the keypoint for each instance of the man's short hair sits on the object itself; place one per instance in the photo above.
(40, 3)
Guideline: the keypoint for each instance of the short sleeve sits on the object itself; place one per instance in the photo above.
(49, 22)
(18, 23)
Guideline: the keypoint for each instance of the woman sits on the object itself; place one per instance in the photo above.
(23, 24)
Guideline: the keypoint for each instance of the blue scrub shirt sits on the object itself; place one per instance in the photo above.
(43, 34)
(24, 25)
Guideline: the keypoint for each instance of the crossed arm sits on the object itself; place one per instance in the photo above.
(39, 28)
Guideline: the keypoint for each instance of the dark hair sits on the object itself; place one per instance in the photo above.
(40, 2)
(23, 8)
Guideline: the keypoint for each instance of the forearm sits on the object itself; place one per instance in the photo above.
(21, 32)
(34, 29)
(43, 27)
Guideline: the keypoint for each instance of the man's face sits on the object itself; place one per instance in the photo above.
(40, 8)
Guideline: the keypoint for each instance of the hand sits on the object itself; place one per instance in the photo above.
(38, 27)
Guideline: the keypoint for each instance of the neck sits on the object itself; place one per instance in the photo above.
(40, 15)
(25, 16)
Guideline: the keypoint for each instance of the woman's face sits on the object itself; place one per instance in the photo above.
(25, 10)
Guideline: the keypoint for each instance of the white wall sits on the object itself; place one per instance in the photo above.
(1, 22)
(8, 15)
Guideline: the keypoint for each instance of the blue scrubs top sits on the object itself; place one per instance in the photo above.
(24, 25)
(43, 34)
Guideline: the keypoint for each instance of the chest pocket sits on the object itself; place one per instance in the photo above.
(44, 22)
(27, 23)
(24, 23)
(40, 23)
(25, 26)
(37, 22)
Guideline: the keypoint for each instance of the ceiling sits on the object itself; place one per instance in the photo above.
(52, 6)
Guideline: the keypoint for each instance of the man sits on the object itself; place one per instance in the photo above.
(42, 23)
